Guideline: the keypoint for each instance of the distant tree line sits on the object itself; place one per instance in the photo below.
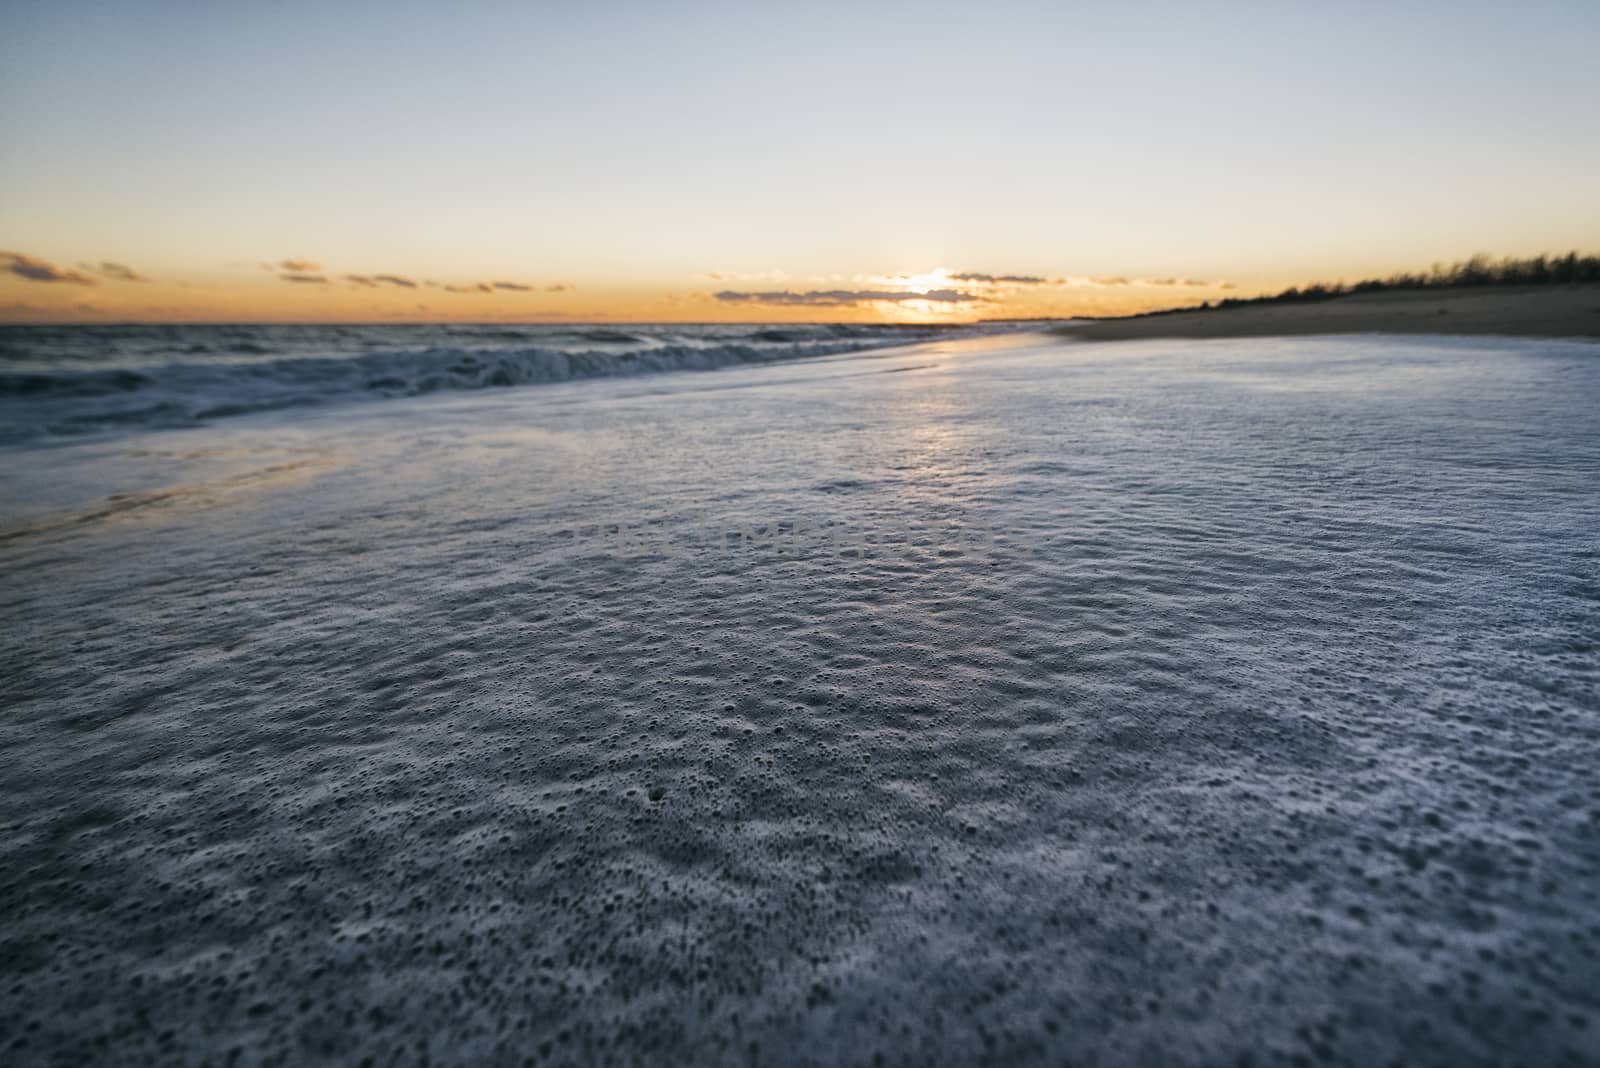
(1480, 270)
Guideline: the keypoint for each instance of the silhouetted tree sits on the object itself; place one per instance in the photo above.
(1479, 270)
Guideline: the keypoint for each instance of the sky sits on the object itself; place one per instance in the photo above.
(736, 161)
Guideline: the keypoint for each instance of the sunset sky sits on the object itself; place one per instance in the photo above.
(709, 161)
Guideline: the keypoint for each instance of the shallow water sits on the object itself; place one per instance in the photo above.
(1001, 699)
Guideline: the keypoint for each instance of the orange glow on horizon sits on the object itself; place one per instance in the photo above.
(36, 290)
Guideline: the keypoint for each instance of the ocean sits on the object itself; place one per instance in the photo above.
(67, 380)
(879, 695)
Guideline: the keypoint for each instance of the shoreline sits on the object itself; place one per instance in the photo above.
(1523, 311)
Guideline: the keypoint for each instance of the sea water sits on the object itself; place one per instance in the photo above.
(993, 697)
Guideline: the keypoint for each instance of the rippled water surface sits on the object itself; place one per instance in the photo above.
(995, 699)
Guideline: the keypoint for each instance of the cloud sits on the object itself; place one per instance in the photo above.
(478, 287)
(488, 287)
(839, 298)
(296, 266)
(1108, 281)
(36, 270)
(117, 272)
(560, 287)
(1003, 279)
(946, 296)
(373, 281)
(309, 279)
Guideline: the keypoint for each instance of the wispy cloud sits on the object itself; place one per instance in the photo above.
(840, 298)
(305, 278)
(117, 272)
(976, 278)
(560, 287)
(502, 286)
(296, 266)
(1004, 279)
(990, 282)
(1160, 283)
(373, 281)
(37, 270)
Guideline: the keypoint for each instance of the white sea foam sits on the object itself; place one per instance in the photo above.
(57, 381)
(1275, 738)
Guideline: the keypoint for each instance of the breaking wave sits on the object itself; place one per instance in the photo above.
(68, 381)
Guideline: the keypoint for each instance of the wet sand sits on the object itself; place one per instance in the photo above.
(1535, 311)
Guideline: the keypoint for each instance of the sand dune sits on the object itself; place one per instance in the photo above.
(1534, 311)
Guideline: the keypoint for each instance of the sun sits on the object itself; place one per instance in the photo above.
(938, 278)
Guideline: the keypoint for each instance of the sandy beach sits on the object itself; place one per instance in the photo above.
(1534, 311)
